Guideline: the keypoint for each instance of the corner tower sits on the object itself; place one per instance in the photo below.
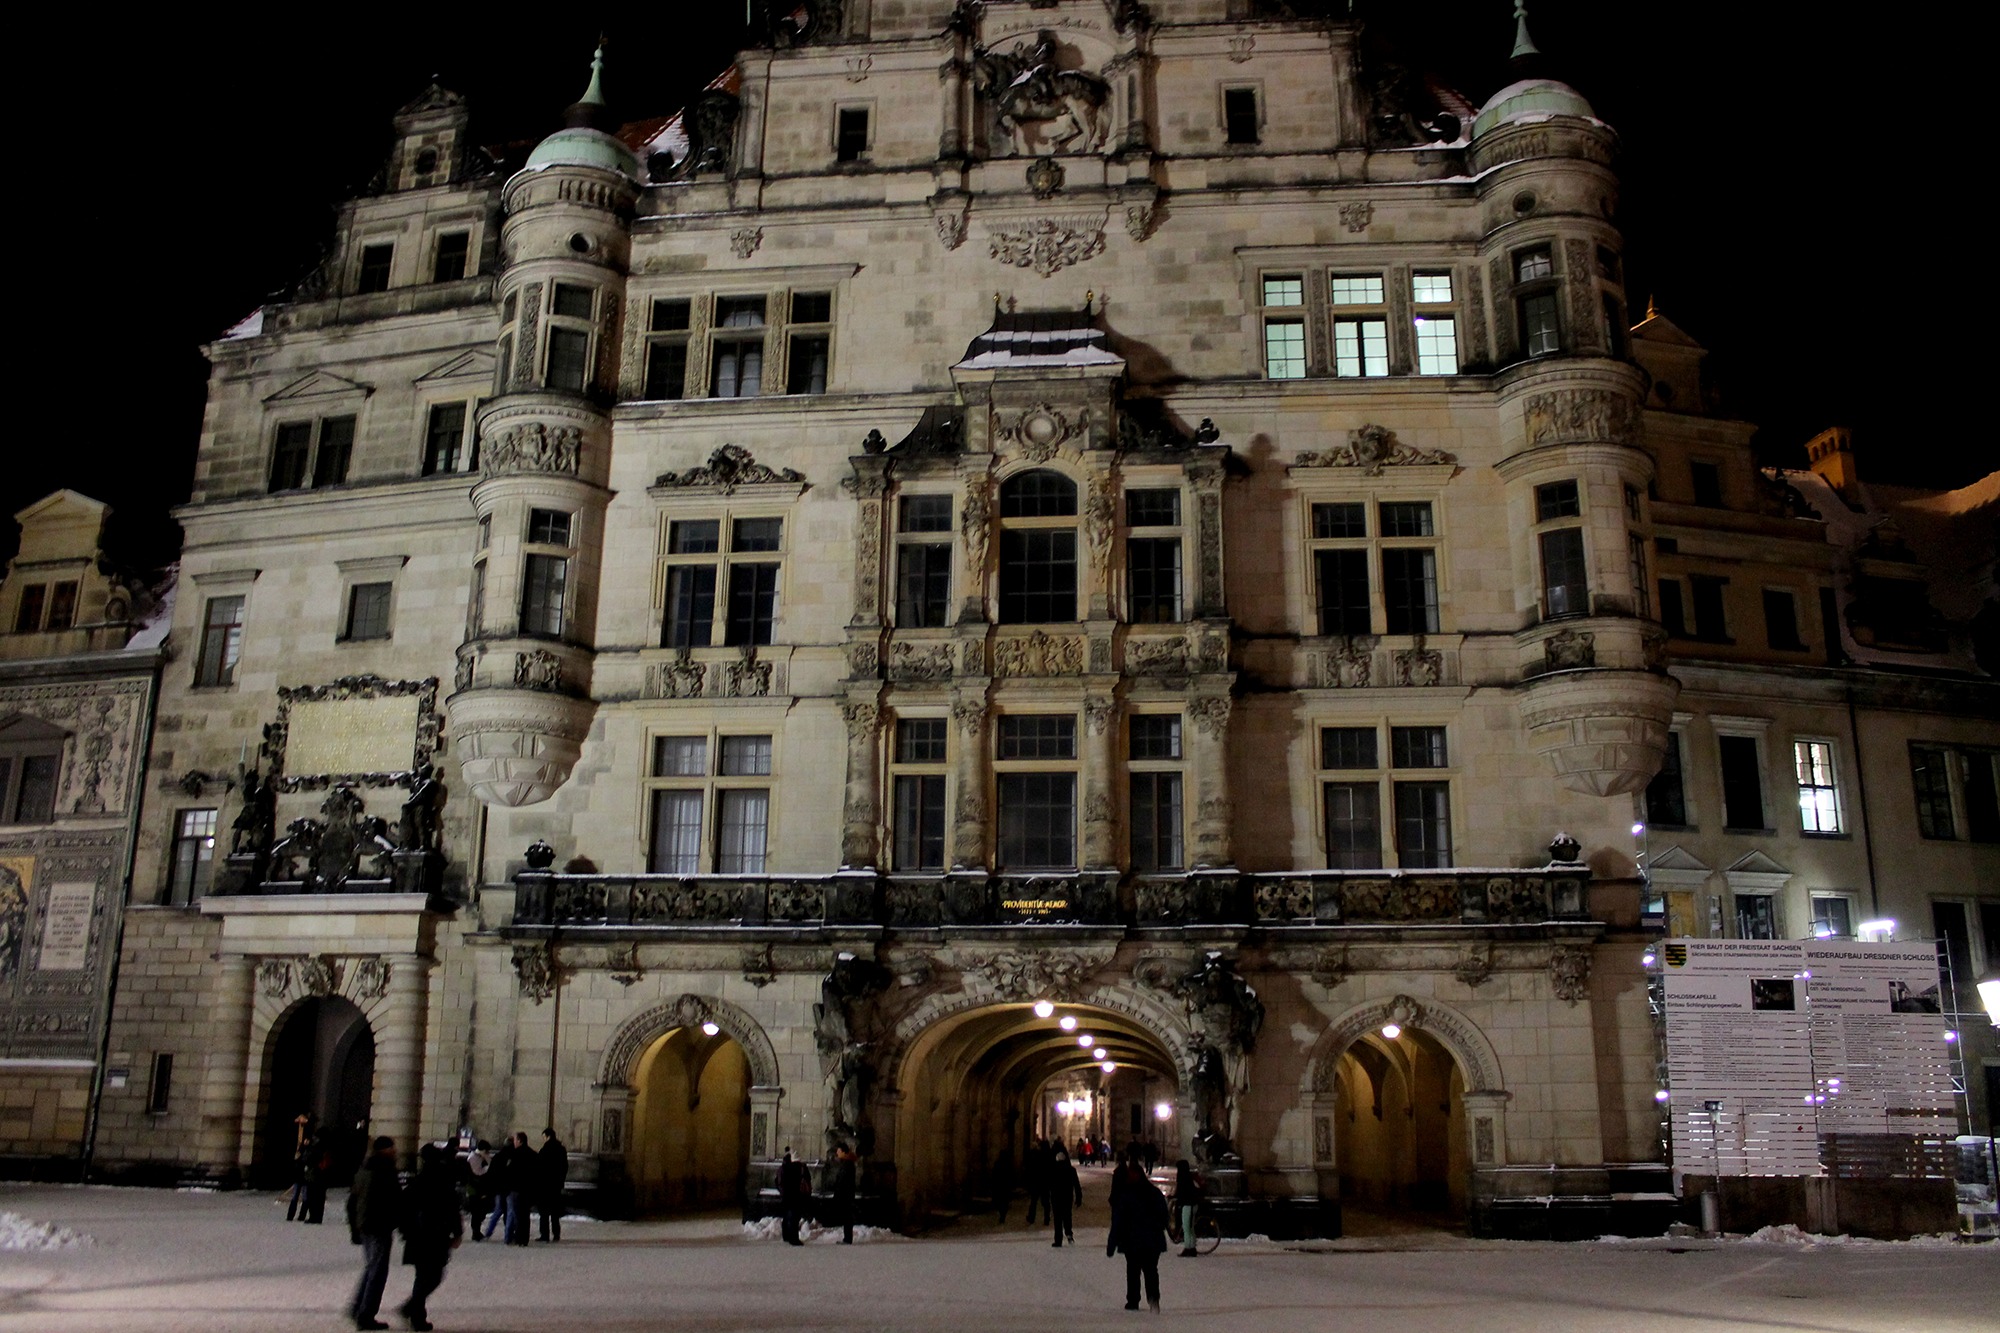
(523, 705)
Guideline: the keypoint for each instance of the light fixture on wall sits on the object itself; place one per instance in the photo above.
(1879, 931)
(1097, 1054)
(1044, 1009)
(1085, 1040)
(710, 1028)
(1163, 1111)
(1068, 1023)
(1392, 1030)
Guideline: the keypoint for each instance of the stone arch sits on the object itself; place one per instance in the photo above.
(1452, 1030)
(637, 1033)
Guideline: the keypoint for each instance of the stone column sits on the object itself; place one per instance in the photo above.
(868, 485)
(228, 1134)
(968, 846)
(399, 1053)
(1485, 1136)
(1205, 570)
(975, 521)
(1100, 712)
(1208, 764)
(860, 838)
(951, 90)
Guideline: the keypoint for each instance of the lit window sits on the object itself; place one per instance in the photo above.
(1284, 335)
(1349, 289)
(1437, 330)
(221, 641)
(192, 860)
(1819, 797)
(736, 365)
(1535, 301)
(1360, 324)
(683, 789)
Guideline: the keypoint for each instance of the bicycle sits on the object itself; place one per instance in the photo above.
(1207, 1231)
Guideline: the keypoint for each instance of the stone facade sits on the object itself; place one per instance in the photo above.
(1085, 502)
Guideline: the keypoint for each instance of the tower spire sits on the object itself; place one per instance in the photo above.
(591, 110)
(1524, 45)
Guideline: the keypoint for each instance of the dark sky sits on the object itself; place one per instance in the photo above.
(1785, 186)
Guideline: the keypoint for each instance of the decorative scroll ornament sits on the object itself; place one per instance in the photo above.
(535, 965)
(1373, 448)
(1139, 220)
(948, 215)
(744, 243)
(535, 447)
(1049, 245)
(274, 977)
(1040, 430)
(727, 468)
(1062, 975)
(371, 979)
(1045, 177)
(1569, 972)
(1039, 654)
(1211, 714)
(1348, 665)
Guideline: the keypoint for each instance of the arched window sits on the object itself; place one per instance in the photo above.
(1037, 549)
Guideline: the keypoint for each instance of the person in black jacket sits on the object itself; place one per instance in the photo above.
(794, 1193)
(432, 1225)
(551, 1173)
(1139, 1229)
(844, 1167)
(1064, 1190)
(374, 1210)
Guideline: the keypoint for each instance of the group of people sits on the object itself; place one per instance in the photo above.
(430, 1212)
(795, 1194)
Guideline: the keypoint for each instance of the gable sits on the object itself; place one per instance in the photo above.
(320, 384)
(479, 363)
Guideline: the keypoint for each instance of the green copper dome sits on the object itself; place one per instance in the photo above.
(582, 147)
(1530, 99)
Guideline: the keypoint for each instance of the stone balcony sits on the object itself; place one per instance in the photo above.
(1312, 898)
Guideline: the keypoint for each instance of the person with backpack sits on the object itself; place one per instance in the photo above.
(1138, 1230)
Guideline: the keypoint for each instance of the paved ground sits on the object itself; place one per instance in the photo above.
(165, 1261)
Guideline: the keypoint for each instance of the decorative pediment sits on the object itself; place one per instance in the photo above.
(320, 384)
(728, 468)
(1757, 873)
(1677, 868)
(1678, 857)
(479, 363)
(1372, 448)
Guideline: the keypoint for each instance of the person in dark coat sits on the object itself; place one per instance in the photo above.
(1187, 1198)
(1139, 1230)
(432, 1225)
(844, 1163)
(301, 1156)
(1064, 1191)
(318, 1166)
(794, 1190)
(374, 1210)
(552, 1172)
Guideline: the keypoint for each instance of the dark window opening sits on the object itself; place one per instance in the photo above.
(1707, 479)
(1672, 616)
(1557, 499)
(1666, 795)
(453, 249)
(1565, 579)
(444, 438)
(1781, 621)
(569, 359)
(1709, 621)
(1037, 576)
(1409, 591)
(544, 588)
(221, 642)
(1153, 575)
(367, 611)
(375, 264)
(1353, 826)
(850, 140)
(1347, 747)
(1156, 822)
(1423, 825)
(806, 370)
(753, 604)
(919, 822)
(1037, 821)
(923, 584)
(1239, 114)
(1742, 783)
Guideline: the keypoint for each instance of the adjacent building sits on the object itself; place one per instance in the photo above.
(1015, 569)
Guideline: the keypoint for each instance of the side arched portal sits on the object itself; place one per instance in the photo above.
(319, 1062)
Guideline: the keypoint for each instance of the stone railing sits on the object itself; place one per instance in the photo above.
(1088, 898)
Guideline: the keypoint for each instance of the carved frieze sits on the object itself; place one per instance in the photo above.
(538, 669)
(1035, 106)
(914, 661)
(744, 242)
(1049, 245)
(1348, 665)
(1039, 654)
(1039, 430)
(1372, 448)
(1157, 657)
(727, 468)
(103, 721)
(1567, 416)
(679, 679)
(1569, 972)
(1063, 975)
(1569, 650)
(1418, 665)
(1211, 714)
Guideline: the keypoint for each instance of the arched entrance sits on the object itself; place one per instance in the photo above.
(320, 1062)
(1399, 1110)
(690, 1139)
(976, 1088)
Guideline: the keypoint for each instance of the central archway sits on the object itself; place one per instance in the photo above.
(690, 1123)
(977, 1087)
(1400, 1110)
(320, 1063)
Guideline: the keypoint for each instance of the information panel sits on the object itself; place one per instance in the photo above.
(66, 927)
(1879, 1051)
(351, 736)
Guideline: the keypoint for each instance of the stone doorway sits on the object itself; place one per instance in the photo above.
(320, 1061)
(690, 1136)
(977, 1088)
(1399, 1115)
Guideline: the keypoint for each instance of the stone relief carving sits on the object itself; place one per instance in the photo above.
(1100, 521)
(1356, 216)
(950, 224)
(539, 669)
(318, 976)
(1139, 220)
(1418, 665)
(1157, 657)
(1562, 416)
(860, 719)
(1097, 713)
(1348, 665)
(1049, 245)
(910, 661)
(536, 967)
(371, 979)
(856, 68)
(467, 664)
(1569, 650)
(1039, 430)
(1211, 714)
(864, 659)
(103, 720)
(1569, 972)
(727, 468)
(1372, 448)
(1063, 975)
(744, 243)
(1045, 177)
(274, 977)
(1240, 47)
(1038, 107)
(975, 519)
(1475, 967)
(747, 677)
(678, 679)
(1039, 654)
(970, 716)
(1333, 968)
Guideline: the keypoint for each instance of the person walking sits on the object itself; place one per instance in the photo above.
(1064, 1190)
(1139, 1230)
(1187, 1199)
(844, 1164)
(520, 1189)
(794, 1189)
(300, 1158)
(1035, 1178)
(374, 1209)
(432, 1225)
(479, 1184)
(552, 1173)
(499, 1172)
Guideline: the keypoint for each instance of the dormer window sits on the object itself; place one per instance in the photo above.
(1037, 549)
(46, 606)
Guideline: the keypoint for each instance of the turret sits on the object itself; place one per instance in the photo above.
(523, 702)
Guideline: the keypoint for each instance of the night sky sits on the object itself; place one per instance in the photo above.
(1788, 193)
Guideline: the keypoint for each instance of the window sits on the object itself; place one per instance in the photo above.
(46, 606)
(548, 527)
(1956, 788)
(850, 134)
(1340, 549)
(192, 860)
(160, 1090)
(684, 785)
(1635, 557)
(1153, 556)
(569, 337)
(1666, 794)
(1672, 617)
(667, 349)
(1037, 821)
(1832, 918)
(503, 370)
(1423, 825)
(1341, 572)
(1437, 326)
(1756, 917)
(544, 589)
(811, 335)
(1353, 791)
(1742, 783)
(1781, 621)
(744, 569)
(1565, 582)
(1707, 480)
(28, 614)
(1285, 334)
(1416, 747)
(221, 641)
(311, 451)
(1819, 796)
(373, 275)
(1931, 777)
(453, 249)
(475, 604)
(1409, 590)
(1038, 575)
(448, 446)
(736, 367)
(1239, 115)
(30, 764)
(1709, 620)
(1360, 324)
(367, 612)
(1535, 301)
(1557, 499)
(923, 561)
(1353, 809)
(917, 775)
(1153, 743)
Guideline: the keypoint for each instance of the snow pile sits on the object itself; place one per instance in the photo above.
(21, 1233)
(1791, 1235)
(812, 1233)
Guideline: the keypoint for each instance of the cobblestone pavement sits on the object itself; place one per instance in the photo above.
(168, 1261)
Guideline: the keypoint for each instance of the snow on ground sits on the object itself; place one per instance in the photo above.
(21, 1233)
(812, 1233)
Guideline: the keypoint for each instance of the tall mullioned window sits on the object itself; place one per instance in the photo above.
(1535, 301)
(569, 337)
(1360, 324)
(1436, 323)
(667, 349)
(1285, 327)
(923, 561)
(1038, 574)
(736, 351)
(1153, 757)
(710, 800)
(918, 780)
(311, 453)
(1153, 555)
(192, 860)
(1819, 794)
(733, 559)
(1565, 575)
(1409, 572)
(1035, 781)
(221, 641)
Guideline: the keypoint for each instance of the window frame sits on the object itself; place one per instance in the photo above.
(1377, 544)
(713, 782)
(577, 326)
(863, 151)
(1533, 294)
(1228, 123)
(1832, 806)
(797, 331)
(931, 541)
(1175, 602)
(1293, 318)
(15, 757)
(217, 670)
(460, 457)
(188, 879)
(1055, 767)
(1435, 311)
(922, 775)
(1014, 566)
(1156, 770)
(437, 248)
(1386, 780)
(312, 462)
(740, 337)
(723, 560)
(351, 605)
(1724, 781)
(372, 278)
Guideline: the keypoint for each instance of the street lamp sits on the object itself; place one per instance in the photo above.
(1989, 997)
